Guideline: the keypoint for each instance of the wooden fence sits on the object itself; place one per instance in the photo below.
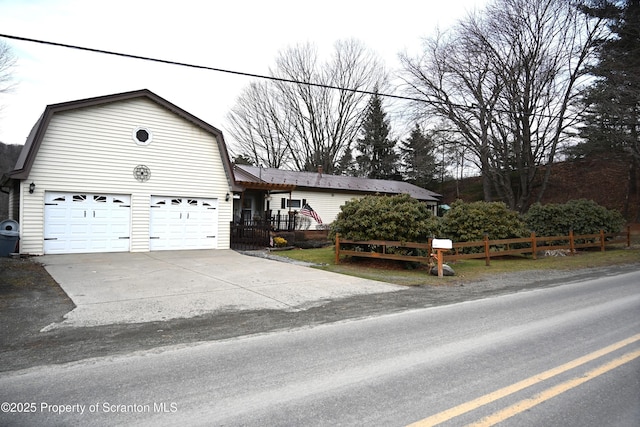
(421, 252)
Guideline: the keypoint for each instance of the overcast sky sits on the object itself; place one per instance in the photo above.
(236, 35)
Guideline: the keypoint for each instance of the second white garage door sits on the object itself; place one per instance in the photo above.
(183, 223)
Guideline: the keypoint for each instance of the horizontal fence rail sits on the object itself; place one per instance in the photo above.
(422, 252)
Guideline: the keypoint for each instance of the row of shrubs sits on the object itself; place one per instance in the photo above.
(402, 218)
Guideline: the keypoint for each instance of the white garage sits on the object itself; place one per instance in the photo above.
(127, 172)
(183, 223)
(82, 222)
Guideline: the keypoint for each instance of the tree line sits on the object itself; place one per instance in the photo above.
(508, 89)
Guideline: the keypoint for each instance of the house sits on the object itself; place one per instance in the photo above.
(275, 193)
(132, 172)
(123, 172)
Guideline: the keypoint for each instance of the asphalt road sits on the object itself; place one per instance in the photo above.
(566, 355)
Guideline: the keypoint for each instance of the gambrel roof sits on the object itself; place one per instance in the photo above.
(324, 182)
(32, 145)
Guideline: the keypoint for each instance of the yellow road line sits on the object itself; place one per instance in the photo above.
(525, 404)
(506, 391)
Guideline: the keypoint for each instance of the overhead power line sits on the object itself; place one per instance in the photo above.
(253, 75)
(205, 67)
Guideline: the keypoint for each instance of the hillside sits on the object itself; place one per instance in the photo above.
(8, 156)
(605, 182)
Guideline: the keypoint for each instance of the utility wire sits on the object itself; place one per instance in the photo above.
(204, 67)
(257, 76)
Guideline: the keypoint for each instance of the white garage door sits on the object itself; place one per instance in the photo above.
(80, 222)
(183, 223)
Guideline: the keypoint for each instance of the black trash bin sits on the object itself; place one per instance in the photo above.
(9, 236)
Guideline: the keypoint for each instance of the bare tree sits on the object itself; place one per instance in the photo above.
(259, 127)
(7, 62)
(507, 80)
(455, 78)
(308, 123)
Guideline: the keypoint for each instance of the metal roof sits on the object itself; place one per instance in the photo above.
(322, 181)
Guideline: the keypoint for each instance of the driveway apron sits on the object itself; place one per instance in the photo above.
(114, 288)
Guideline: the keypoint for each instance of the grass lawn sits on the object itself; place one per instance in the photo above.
(466, 270)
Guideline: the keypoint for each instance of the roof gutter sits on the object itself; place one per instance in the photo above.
(4, 181)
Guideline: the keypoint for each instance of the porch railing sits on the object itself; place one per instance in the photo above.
(254, 233)
(274, 222)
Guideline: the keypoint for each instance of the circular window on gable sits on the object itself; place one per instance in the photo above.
(142, 136)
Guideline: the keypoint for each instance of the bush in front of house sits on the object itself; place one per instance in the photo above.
(397, 218)
(279, 242)
(466, 222)
(582, 216)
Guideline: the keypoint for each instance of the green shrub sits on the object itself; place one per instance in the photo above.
(466, 222)
(582, 216)
(400, 218)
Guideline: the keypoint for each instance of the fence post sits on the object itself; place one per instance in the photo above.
(601, 240)
(439, 254)
(628, 236)
(572, 247)
(337, 248)
(534, 245)
(486, 250)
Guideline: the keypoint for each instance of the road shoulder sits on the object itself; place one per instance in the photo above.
(31, 300)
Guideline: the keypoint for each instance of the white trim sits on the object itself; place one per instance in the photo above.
(134, 135)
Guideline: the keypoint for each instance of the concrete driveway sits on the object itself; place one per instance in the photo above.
(147, 287)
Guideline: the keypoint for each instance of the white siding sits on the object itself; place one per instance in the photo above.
(326, 204)
(14, 199)
(140, 222)
(92, 150)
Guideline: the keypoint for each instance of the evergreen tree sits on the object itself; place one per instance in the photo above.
(418, 156)
(377, 158)
(346, 164)
(612, 122)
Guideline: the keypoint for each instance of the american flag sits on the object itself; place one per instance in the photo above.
(308, 211)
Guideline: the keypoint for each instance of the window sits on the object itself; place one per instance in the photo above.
(142, 136)
(291, 203)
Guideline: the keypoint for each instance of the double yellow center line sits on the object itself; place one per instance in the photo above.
(539, 398)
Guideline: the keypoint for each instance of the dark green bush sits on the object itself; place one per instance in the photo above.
(582, 216)
(400, 218)
(466, 222)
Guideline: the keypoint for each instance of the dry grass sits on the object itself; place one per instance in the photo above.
(466, 270)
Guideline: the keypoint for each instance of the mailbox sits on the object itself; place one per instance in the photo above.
(441, 244)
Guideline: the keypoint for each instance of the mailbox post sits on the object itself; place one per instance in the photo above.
(440, 246)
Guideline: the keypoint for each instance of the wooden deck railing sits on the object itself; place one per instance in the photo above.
(421, 252)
